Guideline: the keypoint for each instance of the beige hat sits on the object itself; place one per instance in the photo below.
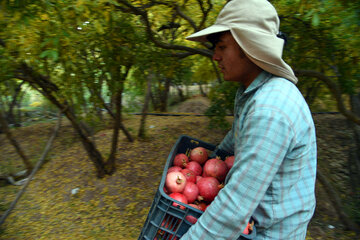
(254, 24)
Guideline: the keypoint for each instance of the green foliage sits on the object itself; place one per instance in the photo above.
(222, 103)
(203, 70)
(322, 38)
(84, 47)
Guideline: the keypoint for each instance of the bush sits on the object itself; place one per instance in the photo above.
(222, 104)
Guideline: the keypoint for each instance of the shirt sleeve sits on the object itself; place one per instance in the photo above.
(227, 144)
(260, 147)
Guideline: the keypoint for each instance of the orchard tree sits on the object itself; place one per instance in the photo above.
(66, 50)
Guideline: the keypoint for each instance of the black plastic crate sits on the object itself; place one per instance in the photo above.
(166, 221)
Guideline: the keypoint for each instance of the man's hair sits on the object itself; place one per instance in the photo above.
(215, 38)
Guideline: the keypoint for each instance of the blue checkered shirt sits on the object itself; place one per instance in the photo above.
(273, 177)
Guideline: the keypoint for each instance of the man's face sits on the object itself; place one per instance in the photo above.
(233, 62)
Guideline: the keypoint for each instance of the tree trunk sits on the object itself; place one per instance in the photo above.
(164, 95)
(180, 93)
(121, 125)
(37, 166)
(94, 154)
(18, 119)
(142, 133)
(110, 165)
(47, 88)
(154, 101)
(10, 114)
(6, 130)
(203, 93)
(354, 156)
(311, 93)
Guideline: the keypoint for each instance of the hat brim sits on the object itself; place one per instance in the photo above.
(201, 35)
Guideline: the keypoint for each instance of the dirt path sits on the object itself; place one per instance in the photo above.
(197, 104)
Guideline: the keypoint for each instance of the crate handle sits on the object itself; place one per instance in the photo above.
(193, 141)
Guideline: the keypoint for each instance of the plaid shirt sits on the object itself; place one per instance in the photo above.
(273, 176)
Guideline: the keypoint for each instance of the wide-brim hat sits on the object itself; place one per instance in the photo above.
(254, 24)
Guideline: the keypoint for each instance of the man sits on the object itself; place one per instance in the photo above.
(272, 136)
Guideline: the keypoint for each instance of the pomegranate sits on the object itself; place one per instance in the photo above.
(195, 167)
(179, 197)
(209, 187)
(199, 154)
(191, 192)
(181, 160)
(247, 229)
(191, 219)
(215, 168)
(174, 169)
(202, 206)
(170, 223)
(175, 182)
(198, 178)
(230, 161)
(189, 175)
(195, 206)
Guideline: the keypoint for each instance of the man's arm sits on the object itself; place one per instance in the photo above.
(260, 148)
(227, 144)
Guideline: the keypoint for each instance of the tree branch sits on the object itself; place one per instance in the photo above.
(36, 168)
(151, 35)
(187, 18)
(334, 89)
(205, 12)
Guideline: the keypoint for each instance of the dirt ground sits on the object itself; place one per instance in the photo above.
(66, 201)
(197, 104)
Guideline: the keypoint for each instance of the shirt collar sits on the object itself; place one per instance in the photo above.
(258, 81)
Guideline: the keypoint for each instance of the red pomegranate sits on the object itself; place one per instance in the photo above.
(181, 160)
(194, 206)
(175, 182)
(230, 161)
(215, 168)
(170, 223)
(199, 154)
(195, 167)
(202, 206)
(191, 219)
(209, 187)
(191, 192)
(174, 169)
(189, 175)
(247, 229)
(179, 197)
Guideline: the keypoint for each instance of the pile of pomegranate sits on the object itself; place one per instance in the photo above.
(197, 179)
